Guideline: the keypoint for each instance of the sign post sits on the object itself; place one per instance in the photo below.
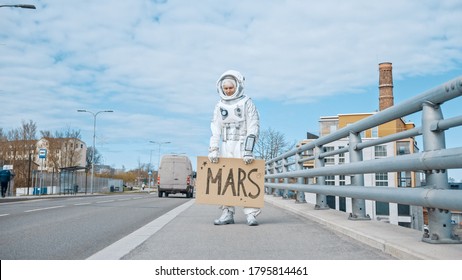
(42, 156)
(230, 182)
(149, 183)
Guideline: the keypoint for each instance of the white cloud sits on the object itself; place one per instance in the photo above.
(156, 62)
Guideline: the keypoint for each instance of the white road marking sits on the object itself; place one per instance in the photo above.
(120, 248)
(46, 208)
(105, 201)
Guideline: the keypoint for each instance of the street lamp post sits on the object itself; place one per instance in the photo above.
(150, 173)
(158, 159)
(94, 140)
(24, 6)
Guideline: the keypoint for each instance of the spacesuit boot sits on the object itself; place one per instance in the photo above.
(227, 217)
(251, 221)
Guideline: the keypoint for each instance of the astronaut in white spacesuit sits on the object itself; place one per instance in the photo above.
(236, 124)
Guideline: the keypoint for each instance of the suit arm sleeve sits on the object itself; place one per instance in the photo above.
(253, 120)
(215, 128)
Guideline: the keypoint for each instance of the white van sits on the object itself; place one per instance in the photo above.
(175, 176)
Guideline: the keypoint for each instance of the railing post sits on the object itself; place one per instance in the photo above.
(276, 192)
(300, 198)
(285, 169)
(267, 171)
(321, 199)
(358, 205)
(271, 170)
(440, 228)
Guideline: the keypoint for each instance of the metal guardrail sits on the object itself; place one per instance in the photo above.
(433, 161)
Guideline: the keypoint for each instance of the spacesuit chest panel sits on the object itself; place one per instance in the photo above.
(233, 113)
(233, 120)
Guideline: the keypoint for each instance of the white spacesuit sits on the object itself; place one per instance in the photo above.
(236, 124)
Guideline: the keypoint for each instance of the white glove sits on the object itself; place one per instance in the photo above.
(248, 157)
(213, 155)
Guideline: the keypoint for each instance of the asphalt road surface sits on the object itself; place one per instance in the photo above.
(74, 228)
(88, 227)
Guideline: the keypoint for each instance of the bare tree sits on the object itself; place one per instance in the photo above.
(17, 148)
(63, 147)
(29, 130)
(271, 144)
(3, 146)
(98, 157)
(72, 155)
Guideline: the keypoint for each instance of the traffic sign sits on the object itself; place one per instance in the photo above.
(42, 153)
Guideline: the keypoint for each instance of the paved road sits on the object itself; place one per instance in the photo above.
(145, 227)
(74, 227)
(81, 227)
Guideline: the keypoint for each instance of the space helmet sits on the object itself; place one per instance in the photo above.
(239, 81)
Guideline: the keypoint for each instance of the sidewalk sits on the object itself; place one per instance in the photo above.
(400, 242)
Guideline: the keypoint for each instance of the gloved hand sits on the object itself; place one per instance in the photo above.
(248, 157)
(213, 155)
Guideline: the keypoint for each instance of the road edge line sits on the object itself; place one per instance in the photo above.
(125, 245)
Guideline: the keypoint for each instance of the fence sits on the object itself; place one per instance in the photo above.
(68, 183)
(287, 171)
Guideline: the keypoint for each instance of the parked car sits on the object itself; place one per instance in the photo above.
(175, 176)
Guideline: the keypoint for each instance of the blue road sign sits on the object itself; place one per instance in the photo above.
(42, 153)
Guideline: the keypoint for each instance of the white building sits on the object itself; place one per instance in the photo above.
(61, 153)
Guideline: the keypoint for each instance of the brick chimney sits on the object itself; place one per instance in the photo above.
(385, 85)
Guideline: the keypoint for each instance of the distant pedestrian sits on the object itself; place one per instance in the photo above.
(5, 177)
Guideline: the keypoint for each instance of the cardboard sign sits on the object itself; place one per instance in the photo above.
(230, 182)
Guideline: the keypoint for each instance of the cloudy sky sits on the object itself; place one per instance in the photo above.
(155, 63)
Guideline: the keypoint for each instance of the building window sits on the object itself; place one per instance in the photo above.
(341, 157)
(404, 179)
(342, 180)
(402, 148)
(382, 208)
(381, 179)
(329, 160)
(380, 151)
(375, 132)
(329, 180)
